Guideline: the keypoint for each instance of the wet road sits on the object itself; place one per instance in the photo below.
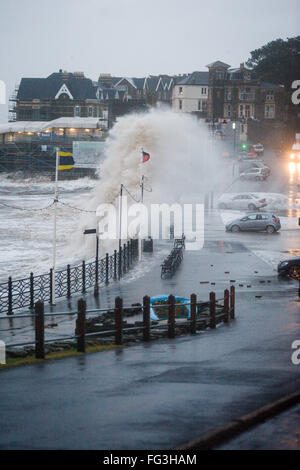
(167, 392)
(157, 395)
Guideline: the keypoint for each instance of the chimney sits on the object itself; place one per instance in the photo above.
(242, 65)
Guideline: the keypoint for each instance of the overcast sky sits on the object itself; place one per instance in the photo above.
(134, 37)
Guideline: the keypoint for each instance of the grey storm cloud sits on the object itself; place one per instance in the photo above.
(134, 37)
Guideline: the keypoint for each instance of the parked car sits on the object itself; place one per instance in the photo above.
(242, 201)
(255, 222)
(289, 267)
(258, 149)
(250, 163)
(258, 174)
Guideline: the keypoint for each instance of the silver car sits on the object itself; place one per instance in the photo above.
(242, 201)
(257, 222)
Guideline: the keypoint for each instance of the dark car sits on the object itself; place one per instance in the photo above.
(289, 267)
(257, 222)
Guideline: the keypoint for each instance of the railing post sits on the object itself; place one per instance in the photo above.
(115, 264)
(119, 320)
(128, 256)
(232, 302)
(96, 275)
(226, 306)
(39, 331)
(124, 258)
(193, 306)
(31, 291)
(50, 283)
(171, 322)
(212, 309)
(83, 277)
(120, 262)
(130, 251)
(68, 281)
(146, 318)
(106, 269)
(9, 310)
(80, 326)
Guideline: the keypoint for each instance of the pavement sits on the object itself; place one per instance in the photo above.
(164, 393)
(279, 433)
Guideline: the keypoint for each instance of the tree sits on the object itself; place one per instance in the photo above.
(277, 62)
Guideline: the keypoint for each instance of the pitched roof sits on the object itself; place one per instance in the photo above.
(218, 63)
(195, 78)
(81, 88)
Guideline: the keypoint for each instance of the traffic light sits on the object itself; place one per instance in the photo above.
(244, 146)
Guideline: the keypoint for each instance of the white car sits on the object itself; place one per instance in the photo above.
(258, 174)
(242, 202)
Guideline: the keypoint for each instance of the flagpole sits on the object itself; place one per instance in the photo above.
(54, 228)
(120, 227)
(140, 237)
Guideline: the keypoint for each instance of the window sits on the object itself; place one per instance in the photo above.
(247, 110)
(180, 104)
(227, 110)
(241, 110)
(199, 105)
(228, 94)
(270, 96)
(90, 111)
(77, 111)
(180, 90)
(269, 111)
(203, 91)
(220, 75)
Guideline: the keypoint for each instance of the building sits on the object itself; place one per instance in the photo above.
(190, 94)
(61, 94)
(237, 94)
(30, 146)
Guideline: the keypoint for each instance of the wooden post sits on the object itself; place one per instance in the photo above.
(39, 331)
(9, 311)
(171, 322)
(146, 318)
(193, 307)
(68, 281)
(212, 309)
(226, 306)
(119, 320)
(31, 290)
(232, 302)
(80, 326)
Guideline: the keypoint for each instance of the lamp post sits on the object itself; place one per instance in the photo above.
(88, 232)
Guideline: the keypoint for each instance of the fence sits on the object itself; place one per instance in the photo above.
(173, 261)
(216, 313)
(21, 293)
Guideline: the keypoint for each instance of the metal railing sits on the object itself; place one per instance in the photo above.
(21, 293)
